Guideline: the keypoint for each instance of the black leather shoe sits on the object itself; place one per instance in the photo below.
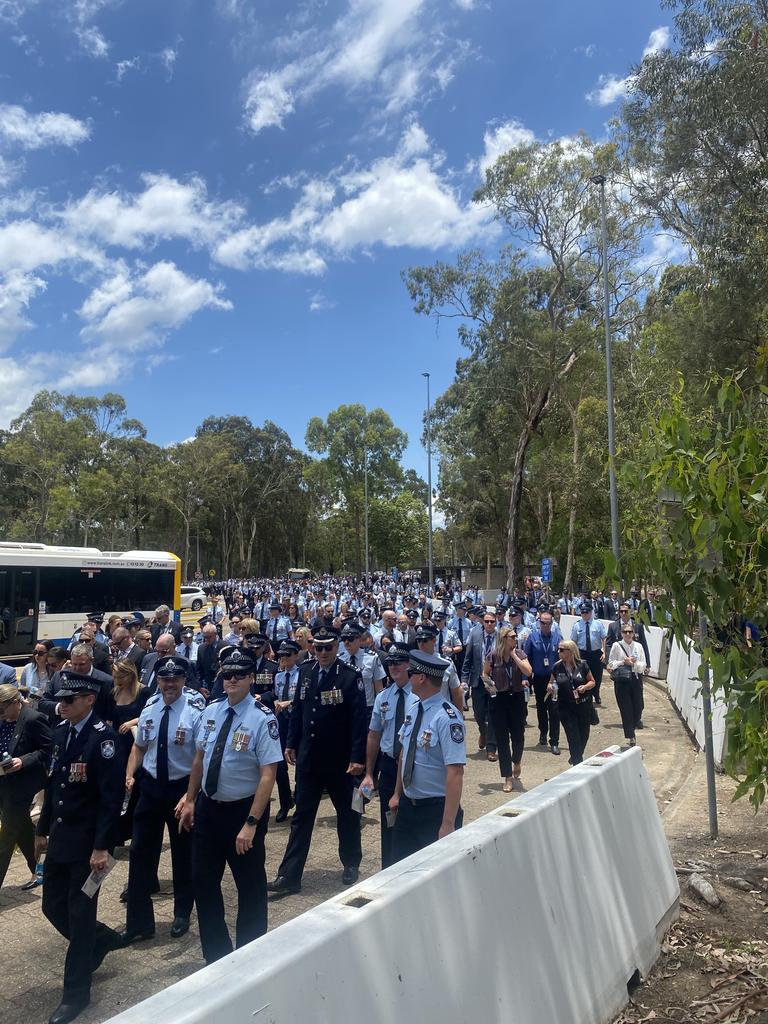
(66, 1012)
(639, 725)
(128, 938)
(179, 927)
(555, 748)
(124, 895)
(598, 702)
(350, 876)
(282, 887)
(114, 942)
(543, 740)
(283, 813)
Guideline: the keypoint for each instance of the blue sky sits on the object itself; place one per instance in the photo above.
(206, 205)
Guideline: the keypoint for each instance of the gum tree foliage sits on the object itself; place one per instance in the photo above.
(712, 554)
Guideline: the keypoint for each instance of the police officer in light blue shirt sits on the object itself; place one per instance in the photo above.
(589, 635)
(383, 747)
(427, 799)
(278, 626)
(227, 802)
(165, 748)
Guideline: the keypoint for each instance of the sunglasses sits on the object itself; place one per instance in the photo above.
(42, 654)
(489, 622)
(72, 699)
(561, 650)
(234, 675)
(628, 632)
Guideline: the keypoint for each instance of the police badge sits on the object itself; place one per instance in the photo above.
(457, 733)
(108, 749)
(274, 731)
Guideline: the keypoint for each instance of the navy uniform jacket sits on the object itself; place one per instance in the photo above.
(328, 728)
(85, 793)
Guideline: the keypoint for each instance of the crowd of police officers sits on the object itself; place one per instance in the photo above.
(358, 702)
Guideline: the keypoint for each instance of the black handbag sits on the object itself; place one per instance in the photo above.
(622, 674)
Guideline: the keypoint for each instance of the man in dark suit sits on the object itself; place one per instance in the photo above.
(208, 656)
(99, 652)
(648, 605)
(79, 661)
(165, 647)
(614, 631)
(125, 649)
(482, 640)
(165, 624)
(25, 735)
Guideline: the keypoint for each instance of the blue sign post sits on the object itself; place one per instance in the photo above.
(546, 570)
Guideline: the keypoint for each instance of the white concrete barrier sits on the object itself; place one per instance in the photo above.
(655, 636)
(542, 910)
(684, 688)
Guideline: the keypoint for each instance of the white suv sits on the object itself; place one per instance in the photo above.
(193, 597)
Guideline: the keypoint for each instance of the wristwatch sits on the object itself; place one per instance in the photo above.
(251, 821)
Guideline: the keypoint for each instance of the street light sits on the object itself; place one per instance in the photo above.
(599, 179)
(365, 479)
(429, 485)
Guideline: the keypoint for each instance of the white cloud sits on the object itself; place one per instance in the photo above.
(13, 10)
(610, 88)
(124, 66)
(657, 41)
(18, 127)
(501, 138)
(16, 292)
(392, 48)
(168, 58)
(167, 208)
(588, 51)
(318, 303)
(129, 312)
(92, 41)
(466, 5)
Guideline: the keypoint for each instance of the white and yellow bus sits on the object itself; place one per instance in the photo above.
(46, 591)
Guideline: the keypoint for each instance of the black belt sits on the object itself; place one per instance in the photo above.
(425, 801)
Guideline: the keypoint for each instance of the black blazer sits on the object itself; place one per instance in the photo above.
(173, 627)
(208, 663)
(47, 703)
(31, 741)
(101, 659)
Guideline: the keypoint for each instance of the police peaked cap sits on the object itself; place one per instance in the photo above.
(426, 631)
(238, 661)
(74, 683)
(432, 666)
(351, 631)
(325, 635)
(288, 647)
(398, 653)
(170, 666)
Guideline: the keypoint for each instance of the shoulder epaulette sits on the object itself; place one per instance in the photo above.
(98, 725)
(449, 709)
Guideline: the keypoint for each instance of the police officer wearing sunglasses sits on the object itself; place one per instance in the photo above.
(77, 829)
(227, 802)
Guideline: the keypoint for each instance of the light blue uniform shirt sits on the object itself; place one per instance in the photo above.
(597, 633)
(280, 681)
(385, 710)
(253, 741)
(183, 722)
(277, 629)
(461, 627)
(370, 668)
(440, 741)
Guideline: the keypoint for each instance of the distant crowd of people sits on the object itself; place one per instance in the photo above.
(353, 688)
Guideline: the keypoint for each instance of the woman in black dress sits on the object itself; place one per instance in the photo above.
(571, 685)
(126, 704)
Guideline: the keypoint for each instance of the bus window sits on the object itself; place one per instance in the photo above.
(79, 591)
(17, 611)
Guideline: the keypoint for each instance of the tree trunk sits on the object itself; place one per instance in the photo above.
(568, 581)
(358, 544)
(535, 416)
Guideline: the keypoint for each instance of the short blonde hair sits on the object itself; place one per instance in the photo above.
(249, 626)
(573, 648)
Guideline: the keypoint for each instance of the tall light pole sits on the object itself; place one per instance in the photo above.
(599, 179)
(429, 485)
(365, 480)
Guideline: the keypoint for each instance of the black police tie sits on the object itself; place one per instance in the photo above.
(162, 748)
(411, 755)
(397, 746)
(286, 686)
(588, 645)
(461, 630)
(214, 768)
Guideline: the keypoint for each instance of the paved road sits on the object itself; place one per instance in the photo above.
(33, 952)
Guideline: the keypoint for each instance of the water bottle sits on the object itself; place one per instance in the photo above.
(553, 696)
(526, 692)
(40, 870)
(366, 791)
